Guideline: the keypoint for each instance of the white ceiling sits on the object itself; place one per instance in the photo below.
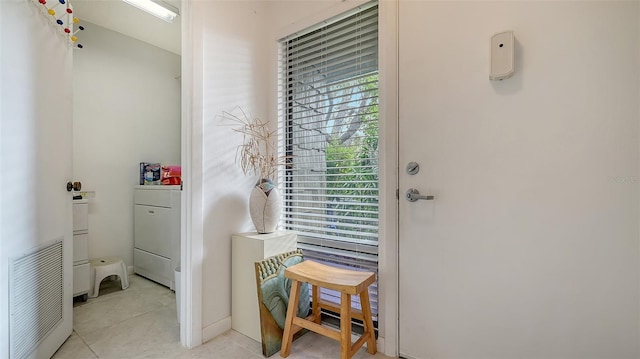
(121, 17)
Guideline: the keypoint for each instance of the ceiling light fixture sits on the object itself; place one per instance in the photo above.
(156, 8)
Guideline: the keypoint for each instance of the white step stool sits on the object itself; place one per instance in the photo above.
(102, 268)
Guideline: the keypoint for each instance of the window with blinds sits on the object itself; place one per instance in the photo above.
(328, 133)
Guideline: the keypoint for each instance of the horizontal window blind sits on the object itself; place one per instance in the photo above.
(328, 103)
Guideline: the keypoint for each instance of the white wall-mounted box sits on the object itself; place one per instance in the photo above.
(502, 56)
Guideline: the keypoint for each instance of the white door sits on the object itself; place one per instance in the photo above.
(35, 165)
(530, 247)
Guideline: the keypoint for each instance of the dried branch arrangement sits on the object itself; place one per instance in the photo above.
(257, 153)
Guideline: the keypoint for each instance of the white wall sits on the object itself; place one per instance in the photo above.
(126, 111)
(235, 55)
(234, 64)
(228, 50)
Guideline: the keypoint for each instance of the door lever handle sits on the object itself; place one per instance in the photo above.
(413, 195)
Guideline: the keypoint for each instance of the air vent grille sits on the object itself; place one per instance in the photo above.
(36, 298)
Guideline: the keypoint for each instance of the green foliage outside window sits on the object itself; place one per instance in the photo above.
(352, 165)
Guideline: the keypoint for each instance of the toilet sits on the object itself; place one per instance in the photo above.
(102, 268)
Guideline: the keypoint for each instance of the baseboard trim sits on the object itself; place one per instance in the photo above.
(380, 345)
(211, 331)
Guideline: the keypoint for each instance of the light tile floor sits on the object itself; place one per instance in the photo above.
(140, 322)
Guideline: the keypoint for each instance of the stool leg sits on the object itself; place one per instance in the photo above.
(292, 308)
(317, 316)
(345, 326)
(368, 323)
(96, 286)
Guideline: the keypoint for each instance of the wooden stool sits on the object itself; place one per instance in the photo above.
(348, 283)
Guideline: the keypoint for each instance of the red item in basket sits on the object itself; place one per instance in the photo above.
(171, 181)
(171, 175)
(171, 171)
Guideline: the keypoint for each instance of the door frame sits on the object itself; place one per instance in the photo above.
(191, 238)
(388, 265)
